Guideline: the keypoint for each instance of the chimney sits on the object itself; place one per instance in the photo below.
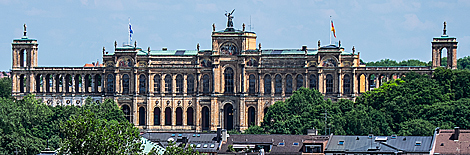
(224, 135)
(219, 134)
(164, 48)
(456, 133)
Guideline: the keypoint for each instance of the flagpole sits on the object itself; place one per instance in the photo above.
(129, 36)
(330, 29)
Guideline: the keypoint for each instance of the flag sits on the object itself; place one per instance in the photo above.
(130, 32)
(333, 29)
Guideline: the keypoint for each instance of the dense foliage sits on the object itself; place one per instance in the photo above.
(462, 63)
(29, 126)
(413, 105)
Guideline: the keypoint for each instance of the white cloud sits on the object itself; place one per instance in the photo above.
(206, 7)
(395, 6)
(412, 22)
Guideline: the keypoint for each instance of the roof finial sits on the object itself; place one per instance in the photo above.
(318, 43)
(197, 46)
(259, 46)
(353, 50)
(135, 43)
(445, 24)
(24, 33)
(103, 50)
(213, 27)
(115, 44)
(243, 25)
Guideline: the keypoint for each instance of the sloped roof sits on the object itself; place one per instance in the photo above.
(356, 144)
(273, 140)
(445, 143)
(193, 138)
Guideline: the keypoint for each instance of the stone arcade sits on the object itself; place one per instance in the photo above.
(229, 86)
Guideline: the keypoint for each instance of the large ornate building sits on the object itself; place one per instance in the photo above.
(229, 86)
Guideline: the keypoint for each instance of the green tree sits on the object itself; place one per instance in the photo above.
(87, 134)
(254, 130)
(5, 87)
(463, 63)
(24, 125)
(300, 112)
(416, 127)
(107, 110)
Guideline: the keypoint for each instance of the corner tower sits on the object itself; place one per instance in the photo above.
(448, 43)
(25, 52)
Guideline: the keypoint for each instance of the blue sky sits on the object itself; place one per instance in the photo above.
(72, 33)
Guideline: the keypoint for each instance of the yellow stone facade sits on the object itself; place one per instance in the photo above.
(229, 86)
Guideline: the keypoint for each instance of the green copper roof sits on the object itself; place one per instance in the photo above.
(168, 52)
(25, 38)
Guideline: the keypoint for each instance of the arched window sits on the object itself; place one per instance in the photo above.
(156, 84)
(346, 84)
(179, 116)
(205, 84)
(125, 84)
(22, 83)
(205, 118)
(156, 116)
(251, 85)
(278, 84)
(300, 81)
(190, 116)
(228, 76)
(228, 118)
(179, 84)
(127, 112)
(190, 83)
(38, 83)
(141, 116)
(78, 83)
(88, 82)
(48, 83)
(313, 81)
(267, 84)
(142, 84)
(168, 116)
(168, 86)
(58, 83)
(288, 84)
(97, 83)
(266, 111)
(329, 83)
(109, 83)
(251, 116)
(68, 83)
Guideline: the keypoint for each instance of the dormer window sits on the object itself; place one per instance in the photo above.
(281, 144)
(295, 144)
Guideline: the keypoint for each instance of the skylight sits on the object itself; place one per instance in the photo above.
(295, 144)
(340, 142)
(418, 143)
(281, 144)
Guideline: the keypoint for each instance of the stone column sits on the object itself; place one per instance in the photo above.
(151, 84)
(185, 87)
(44, 84)
(283, 82)
(54, 83)
(84, 88)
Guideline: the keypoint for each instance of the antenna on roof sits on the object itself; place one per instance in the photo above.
(251, 26)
